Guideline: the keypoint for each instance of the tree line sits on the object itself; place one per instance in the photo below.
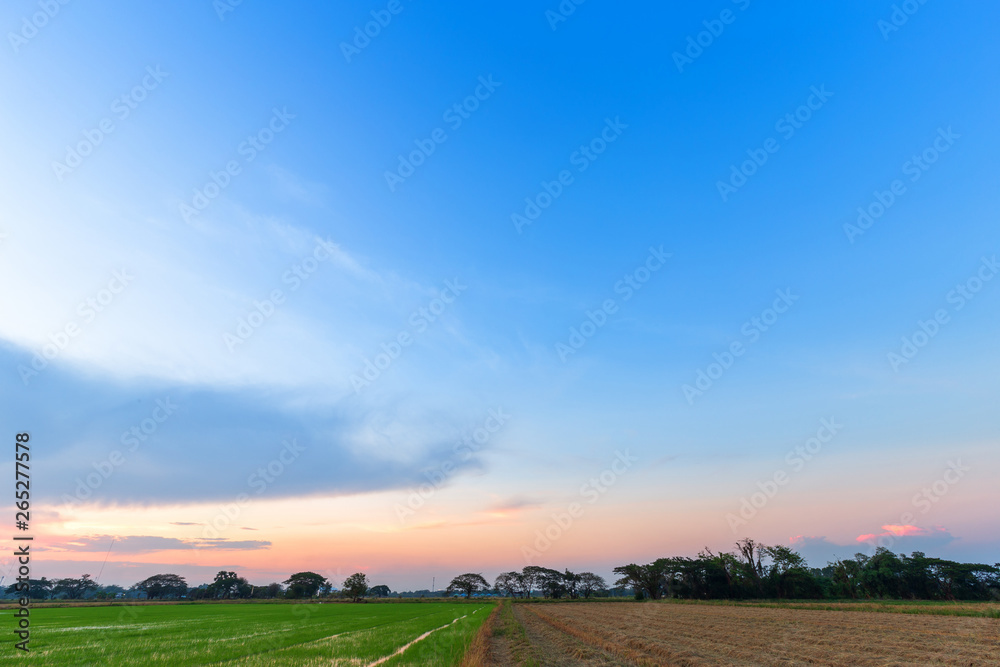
(755, 570)
(227, 585)
(752, 570)
(549, 583)
(66, 589)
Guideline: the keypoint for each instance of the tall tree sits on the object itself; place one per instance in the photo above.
(161, 586)
(553, 583)
(532, 577)
(305, 584)
(751, 552)
(356, 586)
(590, 583)
(228, 585)
(74, 589)
(509, 584)
(468, 583)
(645, 580)
(786, 569)
(571, 584)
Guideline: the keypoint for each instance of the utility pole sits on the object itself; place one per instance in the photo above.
(433, 580)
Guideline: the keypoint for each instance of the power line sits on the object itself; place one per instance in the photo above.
(98, 580)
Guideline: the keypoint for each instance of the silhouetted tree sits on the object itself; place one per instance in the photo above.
(162, 586)
(305, 584)
(229, 585)
(590, 583)
(751, 552)
(510, 584)
(571, 584)
(73, 589)
(468, 583)
(38, 589)
(532, 577)
(645, 580)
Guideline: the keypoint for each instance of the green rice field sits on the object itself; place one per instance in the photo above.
(252, 634)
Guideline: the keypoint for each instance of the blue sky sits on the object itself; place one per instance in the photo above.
(515, 293)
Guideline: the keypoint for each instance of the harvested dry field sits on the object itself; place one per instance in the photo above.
(677, 634)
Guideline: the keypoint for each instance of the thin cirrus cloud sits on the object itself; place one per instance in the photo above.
(137, 544)
(175, 310)
(514, 505)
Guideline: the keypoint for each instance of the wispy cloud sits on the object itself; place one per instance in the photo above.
(135, 544)
(514, 504)
(290, 186)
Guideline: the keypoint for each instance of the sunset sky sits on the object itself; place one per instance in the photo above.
(497, 285)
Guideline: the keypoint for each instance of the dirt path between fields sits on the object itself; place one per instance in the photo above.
(544, 644)
(523, 638)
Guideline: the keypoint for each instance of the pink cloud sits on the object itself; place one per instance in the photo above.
(891, 530)
(905, 530)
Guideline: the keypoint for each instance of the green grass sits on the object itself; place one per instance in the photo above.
(508, 626)
(251, 634)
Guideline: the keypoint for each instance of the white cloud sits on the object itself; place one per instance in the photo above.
(190, 287)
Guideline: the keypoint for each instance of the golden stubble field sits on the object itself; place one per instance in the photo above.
(681, 634)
